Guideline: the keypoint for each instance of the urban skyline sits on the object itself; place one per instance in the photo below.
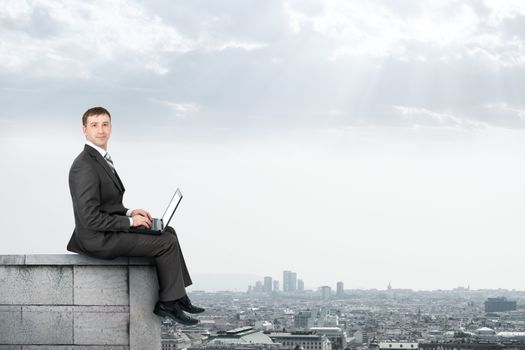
(267, 285)
(358, 320)
(242, 283)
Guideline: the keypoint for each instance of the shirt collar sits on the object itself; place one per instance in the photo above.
(100, 150)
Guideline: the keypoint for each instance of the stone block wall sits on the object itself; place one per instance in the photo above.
(69, 302)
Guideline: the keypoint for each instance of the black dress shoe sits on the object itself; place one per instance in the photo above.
(186, 305)
(172, 310)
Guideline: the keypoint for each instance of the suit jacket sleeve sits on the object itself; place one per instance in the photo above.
(84, 184)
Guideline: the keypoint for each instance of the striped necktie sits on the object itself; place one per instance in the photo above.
(107, 157)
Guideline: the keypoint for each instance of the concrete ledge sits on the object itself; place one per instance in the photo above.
(69, 259)
(63, 347)
(76, 302)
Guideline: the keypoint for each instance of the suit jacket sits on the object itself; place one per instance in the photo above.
(96, 192)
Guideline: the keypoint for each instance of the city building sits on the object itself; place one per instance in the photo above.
(300, 285)
(265, 326)
(327, 319)
(175, 341)
(359, 337)
(306, 340)
(268, 286)
(499, 304)
(303, 320)
(276, 286)
(326, 292)
(293, 282)
(241, 335)
(197, 336)
(289, 281)
(335, 334)
(387, 345)
(340, 289)
(512, 336)
(485, 332)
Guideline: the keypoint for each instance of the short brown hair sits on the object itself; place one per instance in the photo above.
(94, 111)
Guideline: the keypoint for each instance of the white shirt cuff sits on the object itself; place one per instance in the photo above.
(128, 213)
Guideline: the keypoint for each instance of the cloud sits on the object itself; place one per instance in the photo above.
(272, 64)
(501, 10)
(76, 38)
(85, 34)
(504, 109)
(431, 30)
(419, 116)
(235, 44)
(181, 109)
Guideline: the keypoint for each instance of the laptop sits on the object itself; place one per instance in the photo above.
(158, 225)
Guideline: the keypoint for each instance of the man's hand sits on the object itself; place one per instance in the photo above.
(141, 217)
(141, 212)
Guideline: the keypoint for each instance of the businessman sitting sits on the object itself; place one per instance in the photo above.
(102, 222)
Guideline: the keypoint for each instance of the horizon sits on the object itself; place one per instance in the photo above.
(219, 285)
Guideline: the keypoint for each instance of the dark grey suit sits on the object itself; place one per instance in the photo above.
(101, 225)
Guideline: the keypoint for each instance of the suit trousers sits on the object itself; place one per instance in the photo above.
(172, 272)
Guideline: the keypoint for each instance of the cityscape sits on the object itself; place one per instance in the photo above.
(281, 314)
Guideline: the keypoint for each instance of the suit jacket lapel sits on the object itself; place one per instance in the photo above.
(119, 181)
(112, 174)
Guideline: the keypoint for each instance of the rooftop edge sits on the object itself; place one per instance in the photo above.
(69, 259)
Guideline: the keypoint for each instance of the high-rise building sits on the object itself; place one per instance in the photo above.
(293, 282)
(326, 292)
(258, 287)
(340, 289)
(286, 281)
(289, 281)
(268, 284)
(300, 286)
(276, 286)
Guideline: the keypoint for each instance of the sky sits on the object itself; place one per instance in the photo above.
(366, 142)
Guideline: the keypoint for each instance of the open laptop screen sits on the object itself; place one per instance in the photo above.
(170, 210)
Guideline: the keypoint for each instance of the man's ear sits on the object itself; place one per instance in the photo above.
(84, 129)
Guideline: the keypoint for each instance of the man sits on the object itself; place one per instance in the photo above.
(102, 223)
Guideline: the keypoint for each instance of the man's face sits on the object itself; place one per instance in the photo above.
(98, 130)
